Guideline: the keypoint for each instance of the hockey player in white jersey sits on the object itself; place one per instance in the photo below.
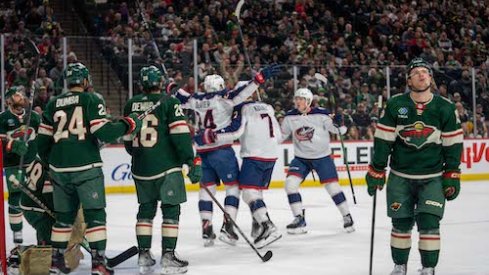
(213, 110)
(310, 129)
(255, 125)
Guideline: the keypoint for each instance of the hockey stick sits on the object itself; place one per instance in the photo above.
(374, 207)
(372, 231)
(324, 80)
(140, 8)
(268, 255)
(237, 13)
(31, 102)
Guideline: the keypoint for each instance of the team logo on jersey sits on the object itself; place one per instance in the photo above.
(416, 134)
(304, 133)
(395, 206)
(402, 112)
(10, 122)
(20, 132)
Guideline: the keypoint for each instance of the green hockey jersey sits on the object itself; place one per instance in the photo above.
(72, 124)
(12, 128)
(423, 140)
(40, 186)
(164, 142)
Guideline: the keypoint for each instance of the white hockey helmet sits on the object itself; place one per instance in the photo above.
(306, 94)
(213, 83)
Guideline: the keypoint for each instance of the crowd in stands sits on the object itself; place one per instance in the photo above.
(35, 20)
(350, 42)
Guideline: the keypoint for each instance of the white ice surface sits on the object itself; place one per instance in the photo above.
(326, 249)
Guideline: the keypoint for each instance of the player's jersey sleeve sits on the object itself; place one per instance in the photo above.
(452, 139)
(237, 126)
(45, 133)
(185, 98)
(286, 129)
(384, 138)
(179, 130)
(239, 95)
(99, 124)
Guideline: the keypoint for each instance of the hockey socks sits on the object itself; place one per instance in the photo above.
(338, 197)
(205, 203)
(429, 239)
(144, 225)
(401, 239)
(96, 232)
(292, 189)
(15, 213)
(231, 202)
(62, 228)
(169, 227)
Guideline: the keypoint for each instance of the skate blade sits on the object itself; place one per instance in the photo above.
(297, 231)
(268, 241)
(225, 239)
(144, 270)
(208, 242)
(173, 270)
(350, 229)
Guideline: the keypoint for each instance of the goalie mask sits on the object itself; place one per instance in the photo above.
(213, 83)
(16, 99)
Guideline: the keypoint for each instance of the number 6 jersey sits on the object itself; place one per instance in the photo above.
(164, 142)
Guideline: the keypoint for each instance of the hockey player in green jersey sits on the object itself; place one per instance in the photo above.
(72, 124)
(158, 152)
(12, 131)
(421, 133)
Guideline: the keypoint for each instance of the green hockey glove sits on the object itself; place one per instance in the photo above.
(133, 122)
(375, 179)
(195, 169)
(451, 184)
(18, 147)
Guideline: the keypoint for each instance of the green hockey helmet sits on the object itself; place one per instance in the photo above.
(150, 77)
(12, 90)
(75, 73)
(418, 62)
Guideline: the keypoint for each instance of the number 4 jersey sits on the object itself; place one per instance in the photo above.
(164, 142)
(72, 124)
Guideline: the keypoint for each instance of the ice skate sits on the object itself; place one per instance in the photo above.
(227, 233)
(268, 235)
(58, 265)
(399, 269)
(208, 233)
(298, 225)
(146, 261)
(255, 229)
(99, 264)
(18, 237)
(427, 271)
(13, 262)
(348, 223)
(171, 264)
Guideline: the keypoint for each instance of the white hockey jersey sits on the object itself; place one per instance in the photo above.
(214, 110)
(310, 132)
(259, 133)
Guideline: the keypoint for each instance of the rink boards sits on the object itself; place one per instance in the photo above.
(475, 164)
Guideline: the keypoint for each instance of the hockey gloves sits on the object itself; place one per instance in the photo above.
(195, 169)
(133, 122)
(375, 179)
(206, 137)
(267, 73)
(451, 184)
(18, 147)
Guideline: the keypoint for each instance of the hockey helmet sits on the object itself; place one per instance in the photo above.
(75, 73)
(150, 77)
(306, 94)
(14, 89)
(418, 62)
(213, 83)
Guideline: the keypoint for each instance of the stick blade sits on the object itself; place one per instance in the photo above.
(130, 252)
(267, 256)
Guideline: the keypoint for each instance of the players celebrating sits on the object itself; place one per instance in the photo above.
(158, 152)
(213, 109)
(421, 133)
(310, 128)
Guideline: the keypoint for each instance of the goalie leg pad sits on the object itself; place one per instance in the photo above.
(35, 260)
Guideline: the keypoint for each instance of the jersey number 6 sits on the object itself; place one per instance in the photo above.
(148, 136)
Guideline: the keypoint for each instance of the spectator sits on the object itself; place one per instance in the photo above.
(41, 99)
(362, 121)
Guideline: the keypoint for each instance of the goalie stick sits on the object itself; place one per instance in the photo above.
(268, 255)
(324, 80)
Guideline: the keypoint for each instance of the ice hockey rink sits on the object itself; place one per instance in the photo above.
(325, 249)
